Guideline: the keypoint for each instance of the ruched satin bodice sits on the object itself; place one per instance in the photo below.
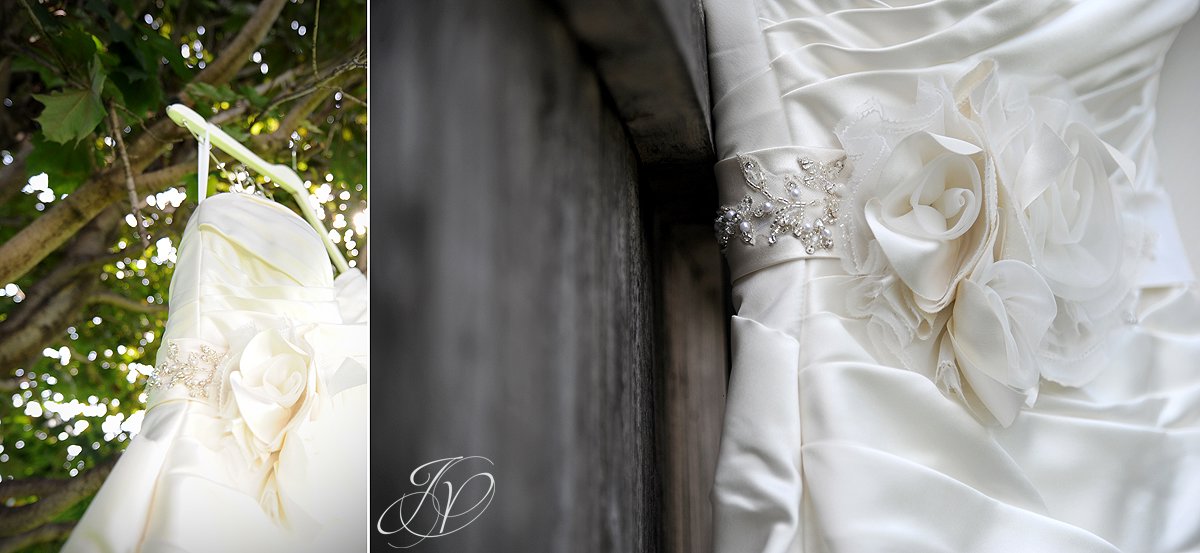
(244, 274)
(803, 66)
(244, 277)
(836, 441)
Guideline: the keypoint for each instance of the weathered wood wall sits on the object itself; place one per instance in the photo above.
(519, 242)
(692, 315)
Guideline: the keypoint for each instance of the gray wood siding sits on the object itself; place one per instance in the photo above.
(515, 261)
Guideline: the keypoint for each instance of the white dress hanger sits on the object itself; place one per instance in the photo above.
(210, 135)
(202, 166)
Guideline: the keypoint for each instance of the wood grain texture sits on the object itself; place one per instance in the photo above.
(511, 280)
(692, 318)
(693, 360)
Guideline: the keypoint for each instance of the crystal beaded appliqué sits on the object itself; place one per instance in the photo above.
(780, 215)
(195, 370)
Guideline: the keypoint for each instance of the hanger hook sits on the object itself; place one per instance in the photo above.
(205, 146)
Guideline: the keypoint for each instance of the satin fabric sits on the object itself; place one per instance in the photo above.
(832, 444)
(248, 267)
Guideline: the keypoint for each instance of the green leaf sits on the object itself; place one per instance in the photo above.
(126, 7)
(237, 133)
(140, 95)
(113, 93)
(49, 77)
(163, 48)
(257, 100)
(116, 32)
(136, 61)
(66, 165)
(205, 91)
(71, 115)
(97, 75)
(77, 46)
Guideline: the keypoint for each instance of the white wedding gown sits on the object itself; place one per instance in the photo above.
(964, 318)
(255, 433)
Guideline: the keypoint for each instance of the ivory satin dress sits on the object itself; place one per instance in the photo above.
(964, 318)
(255, 433)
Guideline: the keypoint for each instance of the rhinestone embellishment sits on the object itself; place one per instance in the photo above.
(782, 215)
(194, 370)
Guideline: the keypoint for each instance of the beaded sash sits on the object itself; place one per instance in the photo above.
(788, 204)
(189, 366)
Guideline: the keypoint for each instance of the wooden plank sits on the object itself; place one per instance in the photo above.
(652, 57)
(512, 294)
(692, 315)
(694, 363)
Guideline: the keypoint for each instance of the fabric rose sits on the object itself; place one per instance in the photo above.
(271, 388)
(922, 216)
(923, 195)
(935, 220)
(1062, 215)
(999, 316)
(985, 234)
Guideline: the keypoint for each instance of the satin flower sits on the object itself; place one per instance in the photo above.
(986, 232)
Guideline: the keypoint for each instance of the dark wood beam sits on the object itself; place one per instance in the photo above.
(652, 57)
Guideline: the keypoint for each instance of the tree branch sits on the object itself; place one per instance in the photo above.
(156, 181)
(46, 233)
(342, 74)
(357, 61)
(235, 55)
(353, 98)
(117, 132)
(316, 95)
(55, 495)
(121, 302)
(36, 22)
(42, 534)
(22, 340)
(316, 27)
(91, 240)
(12, 176)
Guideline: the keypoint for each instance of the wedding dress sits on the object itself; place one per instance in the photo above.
(255, 433)
(964, 319)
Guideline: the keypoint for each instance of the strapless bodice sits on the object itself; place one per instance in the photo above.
(785, 73)
(245, 265)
